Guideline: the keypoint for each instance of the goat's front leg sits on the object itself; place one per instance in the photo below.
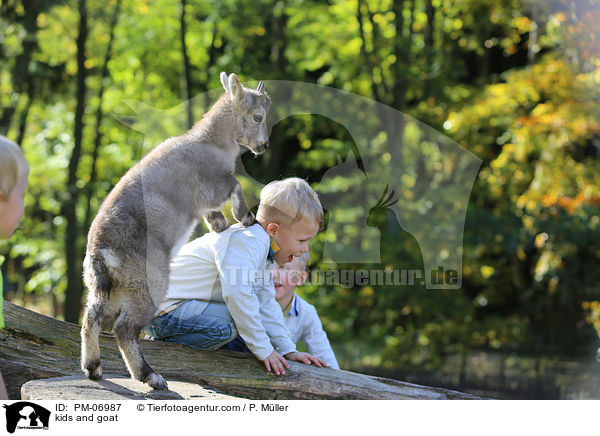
(216, 221)
(240, 211)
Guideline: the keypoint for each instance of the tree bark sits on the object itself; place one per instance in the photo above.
(429, 42)
(99, 115)
(402, 52)
(25, 113)
(74, 290)
(186, 88)
(367, 55)
(34, 346)
(212, 56)
(22, 75)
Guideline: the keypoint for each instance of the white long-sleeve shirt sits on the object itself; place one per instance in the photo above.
(304, 324)
(232, 267)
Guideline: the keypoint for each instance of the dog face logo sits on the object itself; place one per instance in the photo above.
(294, 277)
(26, 415)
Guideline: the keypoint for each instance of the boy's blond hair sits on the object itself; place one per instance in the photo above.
(13, 166)
(288, 201)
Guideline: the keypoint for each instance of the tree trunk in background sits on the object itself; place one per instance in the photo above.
(366, 54)
(533, 34)
(72, 247)
(402, 51)
(186, 82)
(369, 64)
(22, 79)
(399, 82)
(23, 70)
(429, 32)
(278, 151)
(99, 115)
(411, 24)
(399, 85)
(212, 57)
(25, 113)
(6, 118)
(279, 23)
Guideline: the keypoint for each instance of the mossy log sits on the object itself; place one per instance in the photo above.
(34, 346)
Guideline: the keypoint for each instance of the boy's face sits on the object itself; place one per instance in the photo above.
(293, 239)
(11, 209)
(287, 277)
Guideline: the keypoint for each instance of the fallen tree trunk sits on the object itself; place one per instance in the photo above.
(34, 346)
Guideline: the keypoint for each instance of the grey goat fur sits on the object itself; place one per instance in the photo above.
(150, 214)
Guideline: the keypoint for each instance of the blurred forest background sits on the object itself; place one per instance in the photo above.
(516, 82)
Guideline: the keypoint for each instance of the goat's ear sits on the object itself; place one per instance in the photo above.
(235, 88)
(225, 81)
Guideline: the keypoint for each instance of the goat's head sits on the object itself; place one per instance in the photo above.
(251, 107)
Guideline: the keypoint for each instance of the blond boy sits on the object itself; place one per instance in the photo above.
(14, 172)
(221, 283)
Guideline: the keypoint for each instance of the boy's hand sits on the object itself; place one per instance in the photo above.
(305, 358)
(277, 362)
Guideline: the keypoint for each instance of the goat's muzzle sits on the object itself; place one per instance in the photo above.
(263, 147)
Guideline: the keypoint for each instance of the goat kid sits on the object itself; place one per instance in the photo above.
(150, 214)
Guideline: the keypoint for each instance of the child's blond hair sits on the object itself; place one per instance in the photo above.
(288, 201)
(13, 166)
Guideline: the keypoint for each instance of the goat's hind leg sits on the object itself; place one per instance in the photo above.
(93, 317)
(127, 329)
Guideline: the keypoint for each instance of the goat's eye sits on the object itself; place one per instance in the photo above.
(257, 118)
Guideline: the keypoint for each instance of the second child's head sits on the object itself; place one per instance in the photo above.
(291, 213)
(14, 172)
(287, 277)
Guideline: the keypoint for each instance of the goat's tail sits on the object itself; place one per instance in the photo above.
(97, 276)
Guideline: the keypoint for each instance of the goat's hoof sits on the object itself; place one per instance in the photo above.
(93, 372)
(219, 226)
(249, 220)
(156, 381)
(217, 223)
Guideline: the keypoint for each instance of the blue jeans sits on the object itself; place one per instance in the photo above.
(238, 344)
(199, 324)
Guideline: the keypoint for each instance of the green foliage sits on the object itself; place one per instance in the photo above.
(517, 88)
